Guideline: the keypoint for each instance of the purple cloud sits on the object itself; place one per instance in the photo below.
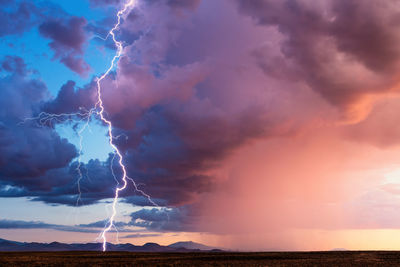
(328, 45)
(68, 39)
(175, 110)
(27, 151)
(178, 220)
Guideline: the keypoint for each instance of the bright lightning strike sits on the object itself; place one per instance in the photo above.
(130, 4)
(49, 119)
(99, 110)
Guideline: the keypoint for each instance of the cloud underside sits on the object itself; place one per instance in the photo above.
(93, 228)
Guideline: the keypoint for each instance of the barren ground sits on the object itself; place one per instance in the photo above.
(347, 258)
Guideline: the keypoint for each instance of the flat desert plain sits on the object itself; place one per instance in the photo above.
(334, 258)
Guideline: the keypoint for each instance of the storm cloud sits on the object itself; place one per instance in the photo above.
(331, 45)
(67, 40)
(26, 151)
(194, 87)
(183, 114)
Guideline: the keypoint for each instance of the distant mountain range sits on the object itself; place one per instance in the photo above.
(188, 246)
(191, 245)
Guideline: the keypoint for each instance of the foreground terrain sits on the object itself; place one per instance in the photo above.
(346, 258)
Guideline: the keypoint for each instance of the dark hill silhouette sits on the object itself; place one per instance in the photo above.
(191, 245)
(7, 245)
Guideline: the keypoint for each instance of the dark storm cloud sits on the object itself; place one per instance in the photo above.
(324, 40)
(43, 170)
(97, 184)
(162, 161)
(168, 151)
(70, 100)
(60, 186)
(362, 30)
(67, 41)
(177, 120)
(162, 220)
(30, 152)
(27, 151)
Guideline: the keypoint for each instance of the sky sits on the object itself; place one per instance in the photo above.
(253, 125)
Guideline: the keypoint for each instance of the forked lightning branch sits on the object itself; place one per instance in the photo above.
(99, 111)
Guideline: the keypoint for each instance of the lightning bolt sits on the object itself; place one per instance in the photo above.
(47, 119)
(128, 5)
